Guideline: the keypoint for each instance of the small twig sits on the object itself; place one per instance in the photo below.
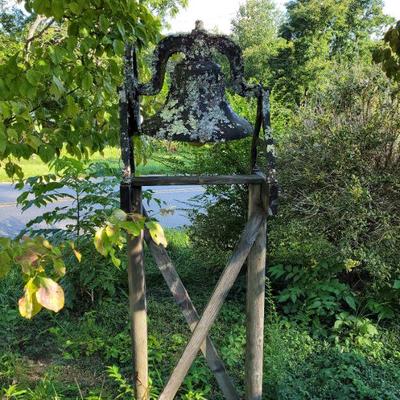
(31, 34)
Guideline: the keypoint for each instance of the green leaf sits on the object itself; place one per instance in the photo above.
(33, 77)
(50, 294)
(104, 23)
(116, 261)
(46, 152)
(87, 81)
(396, 284)
(119, 47)
(5, 109)
(75, 7)
(121, 29)
(131, 227)
(57, 88)
(118, 216)
(371, 329)
(3, 143)
(350, 301)
(58, 9)
(34, 142)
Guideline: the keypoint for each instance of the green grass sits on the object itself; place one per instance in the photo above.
(65, 356)
(156, 165)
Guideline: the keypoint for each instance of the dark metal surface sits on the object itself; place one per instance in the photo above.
(196, 109)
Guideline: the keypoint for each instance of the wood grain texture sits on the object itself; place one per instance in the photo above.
(137, 303)
(183, 300)
(218, 297)
(255, 296)
(196, 180)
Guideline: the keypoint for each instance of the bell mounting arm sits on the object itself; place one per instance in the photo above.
(198, 45)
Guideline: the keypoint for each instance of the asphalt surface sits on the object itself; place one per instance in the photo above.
(13, 220)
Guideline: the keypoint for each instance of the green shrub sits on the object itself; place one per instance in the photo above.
(334, 245)
(339, 171)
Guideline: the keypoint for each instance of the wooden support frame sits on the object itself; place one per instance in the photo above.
(157, 180)
(252, 246)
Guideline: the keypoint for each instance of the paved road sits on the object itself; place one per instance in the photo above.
(12, 220)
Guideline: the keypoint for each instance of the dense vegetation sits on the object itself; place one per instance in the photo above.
(333, 283)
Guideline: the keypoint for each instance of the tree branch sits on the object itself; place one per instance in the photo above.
(32, 35)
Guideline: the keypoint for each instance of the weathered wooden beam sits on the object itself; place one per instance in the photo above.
(255, 294)
(213, 307)
(183, 300)
(196, 180)
(137, 302)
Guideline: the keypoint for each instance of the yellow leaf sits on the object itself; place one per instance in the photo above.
(157, 233)
(98, 242)
(110, 231)
(47, 244)
(78, 255)
(28, 305)
(50, 294)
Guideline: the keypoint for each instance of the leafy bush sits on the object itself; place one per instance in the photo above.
(339, 170)
(91, 187)
(334, 245)
(298, 367)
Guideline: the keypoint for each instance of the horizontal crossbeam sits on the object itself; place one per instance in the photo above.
(159, 180)
(213, 307)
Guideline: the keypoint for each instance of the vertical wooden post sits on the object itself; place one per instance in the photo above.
(256, 298)
(137, 302)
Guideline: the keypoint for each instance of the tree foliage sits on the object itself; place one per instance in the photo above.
(60, 70)
(318, 34)
(257, 39)
(388, 55)
(339, 172)
(333, 246)
(59, 90)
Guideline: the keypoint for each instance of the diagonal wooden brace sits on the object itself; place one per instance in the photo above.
(218, 297)
(183, 300)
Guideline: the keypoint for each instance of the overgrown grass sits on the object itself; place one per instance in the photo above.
(65, 356)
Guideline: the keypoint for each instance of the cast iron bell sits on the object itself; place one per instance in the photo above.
(196, 109)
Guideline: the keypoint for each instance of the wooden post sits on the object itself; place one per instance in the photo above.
(137, 302)
(256, 298)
